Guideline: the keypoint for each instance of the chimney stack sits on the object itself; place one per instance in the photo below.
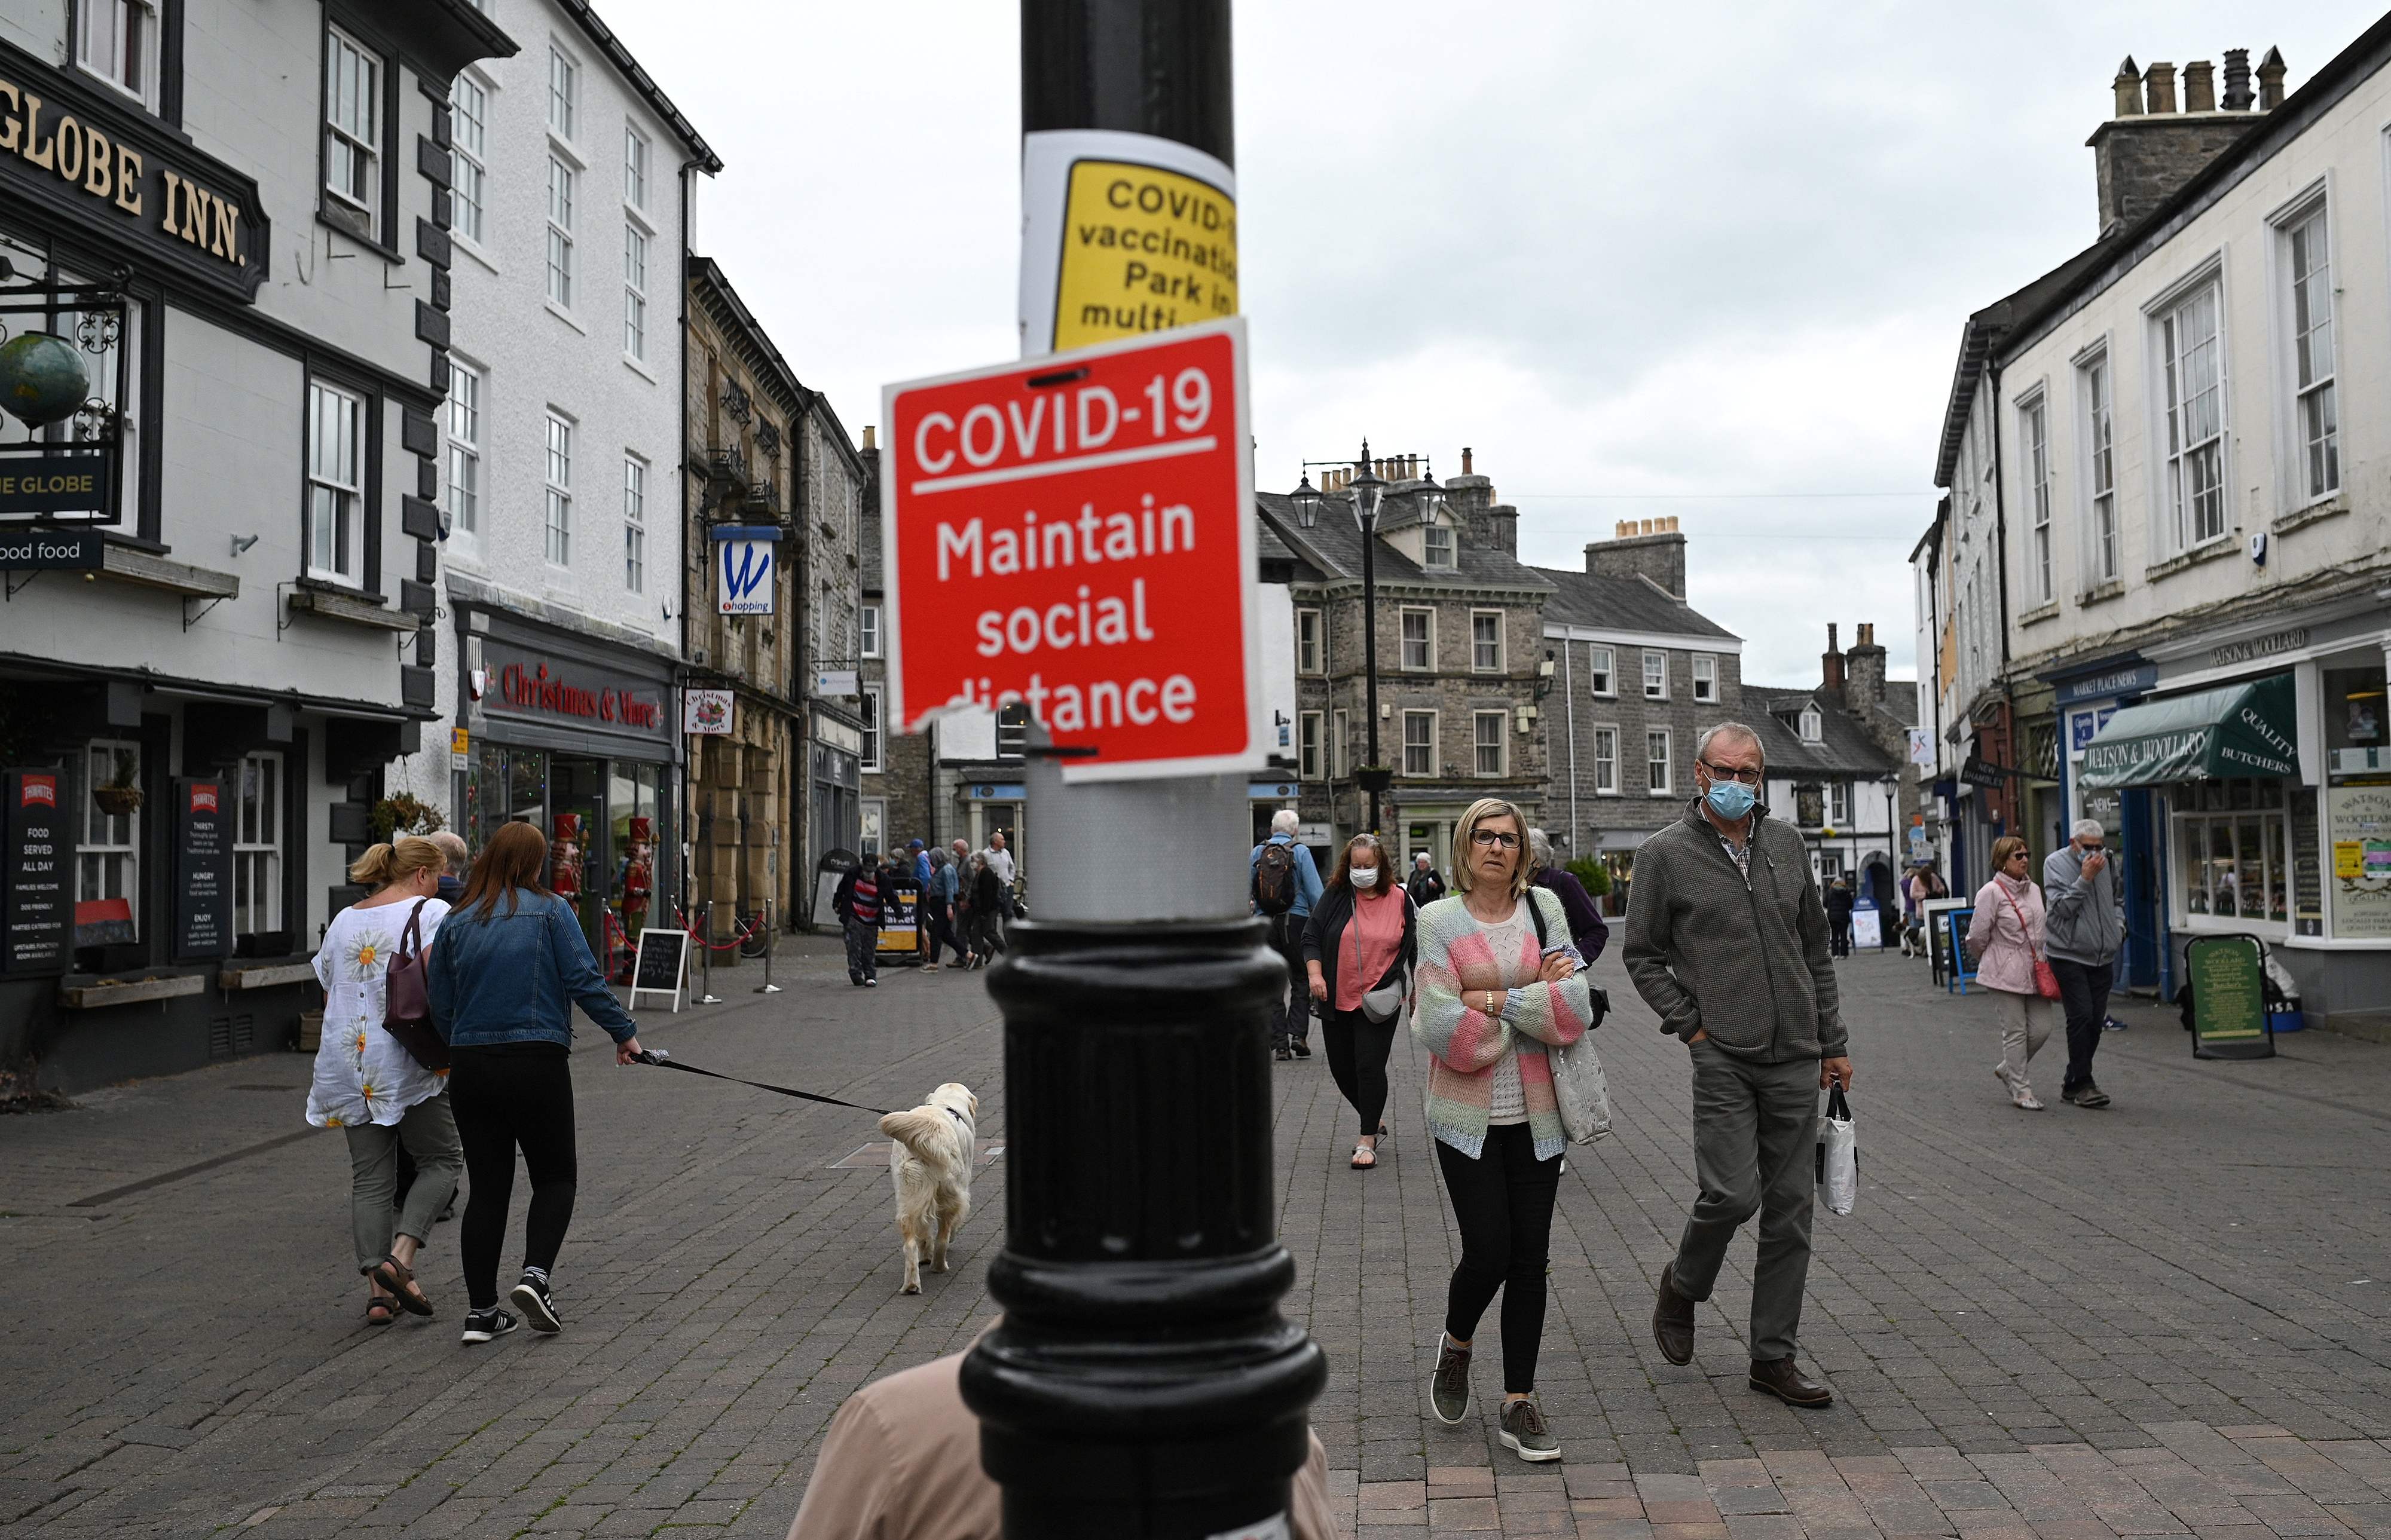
(1863, 684)
(1650, 549)
(2158, 88)
(2237, 81)
(2271, 71)
(1465, 460)
(2148, 151)
(2129, 87)
(2200, 87)
(1830, 667)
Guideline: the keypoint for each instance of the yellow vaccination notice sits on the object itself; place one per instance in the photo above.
(1143, 249)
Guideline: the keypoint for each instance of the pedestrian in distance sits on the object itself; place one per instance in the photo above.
(510, 965)
(999, 856)
(857, 902)
(1357, 954)
(2085, 931)
(1838, 918)
(451, 846)
(1499, 984)
(988, 899)
(1424, 885)
(1283, 885)
(922, 867)
(1727, 942)
(939, 911)
(2006, 939)
(368, 1085)
(1588, 931)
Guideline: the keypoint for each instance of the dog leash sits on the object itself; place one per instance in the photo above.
(665, 1060)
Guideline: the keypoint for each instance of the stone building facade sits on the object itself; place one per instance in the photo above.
(901, 792)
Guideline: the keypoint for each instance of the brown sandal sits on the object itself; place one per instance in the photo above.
(399, 1278)
(381, 1312)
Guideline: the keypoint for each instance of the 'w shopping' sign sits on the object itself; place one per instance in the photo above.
(742, 567)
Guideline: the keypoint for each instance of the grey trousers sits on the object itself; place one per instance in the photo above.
(1755, 1151)
(429, 1131)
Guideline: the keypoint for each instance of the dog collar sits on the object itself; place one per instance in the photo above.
(957, 1116)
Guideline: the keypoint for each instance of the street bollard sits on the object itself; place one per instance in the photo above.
(705, 950)
(771, 936)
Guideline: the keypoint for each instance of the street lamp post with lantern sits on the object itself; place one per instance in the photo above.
(1369, 498)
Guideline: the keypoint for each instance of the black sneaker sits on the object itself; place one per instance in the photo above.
(2086, 1095)
(2110, 1023)
(482, 1324)
(1303, 1048)
(532, 1298)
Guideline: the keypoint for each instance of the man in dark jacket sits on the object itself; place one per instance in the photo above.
(452, 881)
(1587, 928)
(1727, 942)
(856, 901)
(1838, 918)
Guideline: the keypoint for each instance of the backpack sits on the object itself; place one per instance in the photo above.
(1275, 878)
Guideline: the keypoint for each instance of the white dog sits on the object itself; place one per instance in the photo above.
(931, 1163)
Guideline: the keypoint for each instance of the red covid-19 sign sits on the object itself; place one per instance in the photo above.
(1075, 534)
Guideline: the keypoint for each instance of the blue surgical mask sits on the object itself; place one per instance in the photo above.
(1730, 799)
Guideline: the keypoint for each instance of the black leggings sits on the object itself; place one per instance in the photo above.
(1503, 1201)
(506, 1094)
(1357, 1058)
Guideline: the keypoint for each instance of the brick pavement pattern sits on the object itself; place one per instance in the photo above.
(2162, 1318)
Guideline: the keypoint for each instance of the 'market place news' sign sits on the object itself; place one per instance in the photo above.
(1076, 532)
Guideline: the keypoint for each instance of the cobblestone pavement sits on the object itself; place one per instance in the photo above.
(2164, 1318)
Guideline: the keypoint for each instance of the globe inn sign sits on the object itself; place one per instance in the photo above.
(65, 148)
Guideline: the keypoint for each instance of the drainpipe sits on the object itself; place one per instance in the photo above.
(1569, 717)
(2001, 568)
(687, 831)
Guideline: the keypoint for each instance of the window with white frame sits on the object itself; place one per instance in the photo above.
(871, 825)
(466, 387)
(1308, 728)
(1437, 542)
(1486, 641)
(1599, 671)
(2232, 860)
(1705, 677)
(2192, 484)
(1606, 760)
(564, 93)
(257, 845)
(1340, 745)
(2308, 266)
(1013, 731)
(1839, 803)
(867, 630)
(1656, 761)
(2033, 423)
(108, 847)
(1310, 643)
(635, 167)
(336, 426)
(2101, 467)
(635, 292)
(353, 132)
(1486, 737)
(1831, 865)
(469, 134)
(1656, 675)
(556, 509)
(870, 712)
(561, 265)
(1419, 639)
(635, 524)
(117, 40)
(1419, 743)
(1813, 727)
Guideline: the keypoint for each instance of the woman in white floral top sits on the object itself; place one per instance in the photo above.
(371, 1088)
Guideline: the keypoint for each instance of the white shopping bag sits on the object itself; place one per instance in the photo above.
(1839, 1153)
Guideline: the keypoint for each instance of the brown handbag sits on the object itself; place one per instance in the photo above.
(406, 997)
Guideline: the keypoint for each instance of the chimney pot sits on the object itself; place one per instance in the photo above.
(2158, 88)
(2200, 87)
(2129, 87)
(2271, 71)
(1830, 636)
(871, 435)
(2238, 98)
(1465, 460)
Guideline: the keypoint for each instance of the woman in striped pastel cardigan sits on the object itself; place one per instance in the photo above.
(1497, 986)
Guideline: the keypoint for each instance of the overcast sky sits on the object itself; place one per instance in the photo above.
(1639, 257)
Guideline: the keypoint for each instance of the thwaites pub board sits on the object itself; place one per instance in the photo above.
(1076, 534)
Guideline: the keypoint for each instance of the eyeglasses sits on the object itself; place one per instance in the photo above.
(1720, 772)
(1493, 837)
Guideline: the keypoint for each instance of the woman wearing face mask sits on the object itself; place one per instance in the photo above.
(1358, 949)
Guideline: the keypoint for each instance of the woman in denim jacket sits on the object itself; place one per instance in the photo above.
(510, 965)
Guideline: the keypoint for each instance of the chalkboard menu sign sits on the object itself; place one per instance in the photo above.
(202, 871)
(34, 849)
(2229, 998)
(2308, 865)
(662, 965)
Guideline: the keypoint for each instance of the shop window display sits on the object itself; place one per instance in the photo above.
(2233, 853)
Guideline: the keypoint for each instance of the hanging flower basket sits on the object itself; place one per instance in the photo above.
(117, 800)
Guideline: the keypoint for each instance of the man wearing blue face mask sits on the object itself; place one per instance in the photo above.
(1727, 943)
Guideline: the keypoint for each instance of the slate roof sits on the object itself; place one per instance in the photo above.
(1621, 604)
(1333, 549)
(1844, 748)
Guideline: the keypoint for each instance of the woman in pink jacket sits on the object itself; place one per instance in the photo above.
(2005, 940)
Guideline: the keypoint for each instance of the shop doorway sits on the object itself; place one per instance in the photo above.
(577, 787)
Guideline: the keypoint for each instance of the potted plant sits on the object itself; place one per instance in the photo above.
(400, 814)
(121, 793)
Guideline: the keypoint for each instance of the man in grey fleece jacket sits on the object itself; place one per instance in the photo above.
(1727, 942)
(2081, 934)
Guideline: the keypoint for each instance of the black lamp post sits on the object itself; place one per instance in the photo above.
(1369, 496)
